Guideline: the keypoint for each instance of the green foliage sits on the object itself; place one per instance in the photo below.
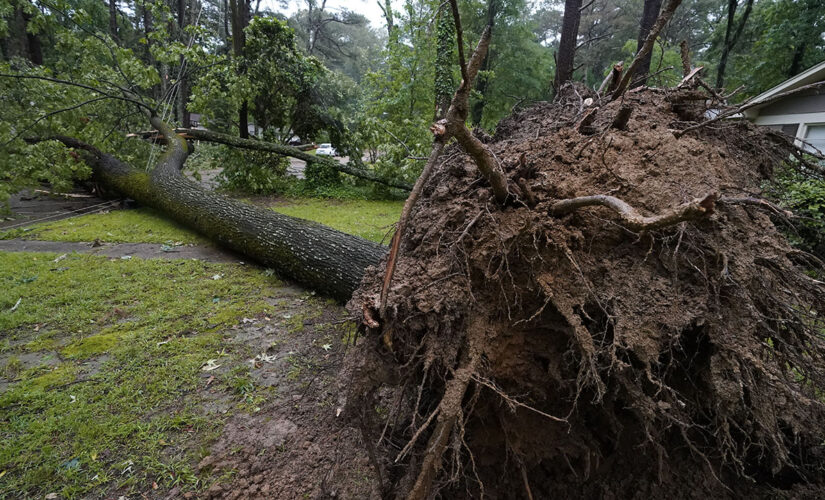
(320, 175)
(251, 171)
(781, 39)
(805, 196)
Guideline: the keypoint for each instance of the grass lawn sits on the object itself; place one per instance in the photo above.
(142, 225)
(369, 219)
(103, 364)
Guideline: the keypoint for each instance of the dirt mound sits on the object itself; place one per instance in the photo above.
(532, 352)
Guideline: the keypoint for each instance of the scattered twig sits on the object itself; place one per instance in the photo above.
(646, 77)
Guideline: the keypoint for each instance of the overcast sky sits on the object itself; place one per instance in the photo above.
(368, 8)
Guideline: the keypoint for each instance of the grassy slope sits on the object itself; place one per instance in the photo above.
(101, 361)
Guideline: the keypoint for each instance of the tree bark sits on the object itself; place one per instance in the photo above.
(113, 19)
(444, 60)
(482, 82)
(731, 37)
(206, 135)
(649, 15)
(240, 20)
(308, 253)
(183, 90)
(567, 43)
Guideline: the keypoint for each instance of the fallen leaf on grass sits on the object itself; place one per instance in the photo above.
(210, 365)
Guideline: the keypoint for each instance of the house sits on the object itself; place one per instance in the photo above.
(800, 115)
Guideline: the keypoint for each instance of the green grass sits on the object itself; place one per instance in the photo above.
(369, 219)
(142, 225)
(120, 407)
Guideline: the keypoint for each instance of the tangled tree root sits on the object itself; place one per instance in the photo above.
(607, 334)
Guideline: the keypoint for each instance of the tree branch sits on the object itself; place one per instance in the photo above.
(271, 147)
(52, 113)
(661, 21)
(82, 86)
(692, 210)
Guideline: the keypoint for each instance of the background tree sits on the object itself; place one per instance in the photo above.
(567, 43)
(649, 15)
(733, 31)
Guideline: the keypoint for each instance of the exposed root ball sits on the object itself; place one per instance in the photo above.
(536, 354)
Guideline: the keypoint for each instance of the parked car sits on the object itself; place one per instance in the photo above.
(294, 141)
(326, 149)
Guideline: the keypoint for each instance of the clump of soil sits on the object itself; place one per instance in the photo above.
(531, 355)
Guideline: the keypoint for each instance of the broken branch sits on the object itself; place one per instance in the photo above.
(660, 23)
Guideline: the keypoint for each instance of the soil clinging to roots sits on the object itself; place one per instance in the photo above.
(527, 352)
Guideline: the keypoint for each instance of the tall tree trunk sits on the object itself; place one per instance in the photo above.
(240, 20)
(731, 37)
(796, 61)
(311, 254)
(444, 61)
(113, 19)
(18, 41)
(386, 9)
(226, 21)
(482, 82)
(567, 43)
(183, 90)
(649, 15)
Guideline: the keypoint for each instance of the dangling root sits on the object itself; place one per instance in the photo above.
(449, 411)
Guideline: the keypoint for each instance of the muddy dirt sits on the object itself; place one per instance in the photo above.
(298, 444)
(526, 354)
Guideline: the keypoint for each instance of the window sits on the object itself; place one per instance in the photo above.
(815, 138)
(787, 129)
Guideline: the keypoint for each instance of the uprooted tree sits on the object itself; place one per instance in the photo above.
(593, 302)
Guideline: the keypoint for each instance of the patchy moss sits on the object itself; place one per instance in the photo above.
(372, 220)
(92, 423)
(142, 225)
(91, 346)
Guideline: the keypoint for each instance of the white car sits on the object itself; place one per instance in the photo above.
(326, 149)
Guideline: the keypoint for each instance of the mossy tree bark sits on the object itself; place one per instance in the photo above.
(311, 254)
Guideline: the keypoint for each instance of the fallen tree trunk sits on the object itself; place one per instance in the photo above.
(311, 254)
(281, 149)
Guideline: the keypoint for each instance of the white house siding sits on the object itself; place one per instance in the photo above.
(802, 117)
